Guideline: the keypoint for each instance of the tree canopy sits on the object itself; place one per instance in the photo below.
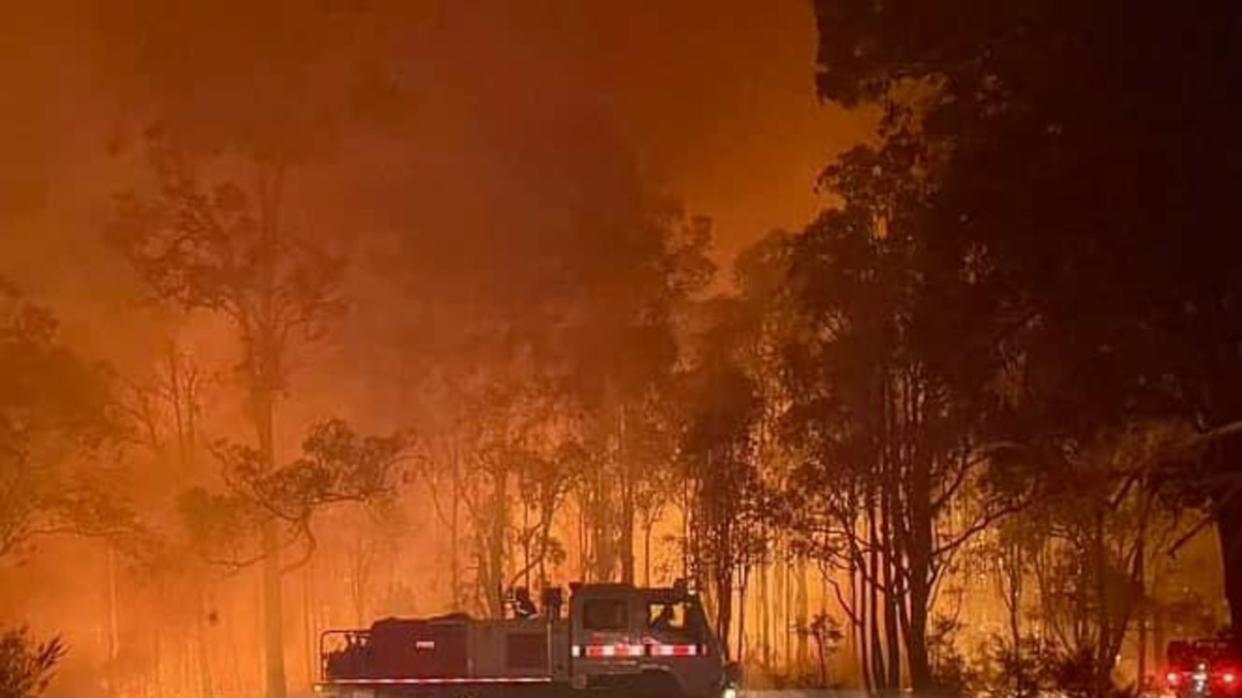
(55, 421)
(1084, 165)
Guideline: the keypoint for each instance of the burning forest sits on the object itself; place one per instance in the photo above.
(365, 348)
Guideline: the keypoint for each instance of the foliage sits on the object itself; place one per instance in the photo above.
(825, 630)
(953, 675)
(1081, 164)
(26, 666)
(218, 248)
(221, 249)
(727, 497)
(624, 356)
(1013, 670)
(337, 465)
(894, 396)
(56, 425)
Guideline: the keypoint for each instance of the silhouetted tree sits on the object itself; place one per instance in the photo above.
(726, 503)
(544, 479)
(224, 250)
(271, 91)
(1083, 166)
(893, 388)
(619, 341)
(1086, 545)
(55, 420)
(337, 465)
(518, 462)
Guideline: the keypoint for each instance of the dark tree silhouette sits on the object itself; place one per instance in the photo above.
(55, 415)
(337, 465)
(621, 347)
(1088, 162)
(725, 510)
(893, 388)
(224, 250)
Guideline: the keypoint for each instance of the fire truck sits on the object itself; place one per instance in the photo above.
(1207, 668)
(614, 640)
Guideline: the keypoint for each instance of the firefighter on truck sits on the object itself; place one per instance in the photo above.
(616, 639)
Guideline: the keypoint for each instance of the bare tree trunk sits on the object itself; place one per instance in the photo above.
(1103, 621)
(1158, 627)
(496, 544)
(626, 538)
(454, 528)
(892, 641)
(1140, 574)
(308, 623)
(823, 659)
(603, 526)
(765, 615)
(273, 600)
(801, 618)
(206, 681)
(1012, 574)
(724, 602)
(263, 358)
(273, 615)
(264, 365)
(920, 573)
(687, 512)
(784, 614)
(584, 557)
(741, 620)
(878, 673)
(858, 624)
(1229, 531)
(526, 543)
(647, 526)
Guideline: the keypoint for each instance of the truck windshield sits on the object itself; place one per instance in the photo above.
(604, 614)
(666, 616)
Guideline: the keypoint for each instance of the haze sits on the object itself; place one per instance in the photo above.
(900, 337)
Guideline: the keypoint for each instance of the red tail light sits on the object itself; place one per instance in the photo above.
(1174, 678)
(1229, 677)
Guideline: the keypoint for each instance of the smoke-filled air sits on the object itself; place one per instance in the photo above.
(594, 348)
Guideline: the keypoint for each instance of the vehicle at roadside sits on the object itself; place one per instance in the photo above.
(1204, 668)
(615, 639)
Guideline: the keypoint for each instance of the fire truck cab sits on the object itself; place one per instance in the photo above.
(618, 639)
(656, 639)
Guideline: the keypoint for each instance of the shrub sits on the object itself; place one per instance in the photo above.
(26, 666)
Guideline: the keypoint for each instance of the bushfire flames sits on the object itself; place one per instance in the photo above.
(362, 348)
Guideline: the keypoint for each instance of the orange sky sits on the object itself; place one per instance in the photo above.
(714, 99)
(508, 110)
(720, 100)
